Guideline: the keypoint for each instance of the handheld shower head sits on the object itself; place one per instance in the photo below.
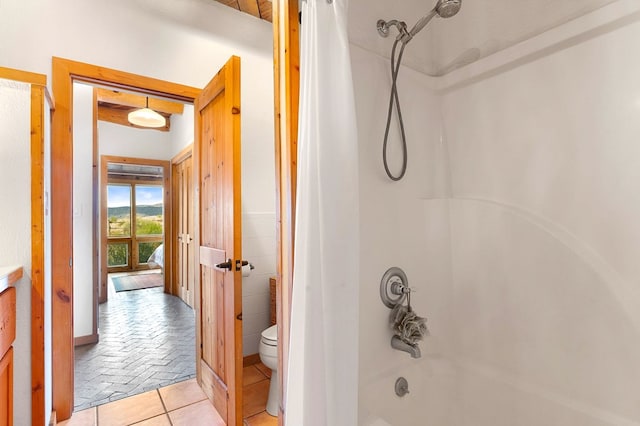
(448, 8)
(443, 8)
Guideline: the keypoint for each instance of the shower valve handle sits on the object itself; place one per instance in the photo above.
(399, 289)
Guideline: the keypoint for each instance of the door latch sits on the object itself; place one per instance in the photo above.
(229, 264)
(225, 265)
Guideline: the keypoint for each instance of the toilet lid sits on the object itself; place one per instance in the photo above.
(271, 334)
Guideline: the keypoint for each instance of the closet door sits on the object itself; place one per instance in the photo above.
(185, 261)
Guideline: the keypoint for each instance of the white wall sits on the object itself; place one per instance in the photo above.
(544, 162)
(124, 141)
(192, 40)
(83, 286)
(15, 227)
(181, 130)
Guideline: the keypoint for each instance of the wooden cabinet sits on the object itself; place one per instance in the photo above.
(6, 389)
(7, 335)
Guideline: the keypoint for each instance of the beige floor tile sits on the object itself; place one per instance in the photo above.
(199, 414)
(265, 370)
(130, 410)
(181, 394)
(262, 419)
(254, 398)
(162, 420)
(251, 375)
(81, 418)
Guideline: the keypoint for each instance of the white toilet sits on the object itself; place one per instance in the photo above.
(269, 357)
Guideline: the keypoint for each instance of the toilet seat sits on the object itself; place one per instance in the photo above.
(270, 336)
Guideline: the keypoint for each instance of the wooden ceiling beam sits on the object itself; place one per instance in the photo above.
(138, 101)
(258, 8)
(250, 7)
(265, 10)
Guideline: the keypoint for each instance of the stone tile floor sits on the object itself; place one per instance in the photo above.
(180, 404)
(147, 341)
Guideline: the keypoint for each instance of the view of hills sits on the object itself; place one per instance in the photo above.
(124, 211)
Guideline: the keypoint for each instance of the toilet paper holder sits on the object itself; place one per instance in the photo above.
(239, 264)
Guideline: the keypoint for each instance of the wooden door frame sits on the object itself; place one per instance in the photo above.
(182, 156)
(286, 56)
(167, 209)
(39, 94)
(64, 73)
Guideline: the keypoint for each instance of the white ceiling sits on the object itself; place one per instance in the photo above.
(482, 27)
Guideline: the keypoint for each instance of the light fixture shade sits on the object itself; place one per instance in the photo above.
(146, 117)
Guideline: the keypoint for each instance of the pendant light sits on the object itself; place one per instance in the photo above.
(145, 117)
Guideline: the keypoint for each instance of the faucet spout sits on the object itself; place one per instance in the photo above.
(399, 344)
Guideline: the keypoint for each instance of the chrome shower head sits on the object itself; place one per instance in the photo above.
(444, 9)
(448, 8)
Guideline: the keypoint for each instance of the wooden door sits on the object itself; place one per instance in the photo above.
(183, 179)
(218, 238)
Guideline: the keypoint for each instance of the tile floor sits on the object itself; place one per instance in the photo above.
(147, 340)
(255, 388)
(180, 404)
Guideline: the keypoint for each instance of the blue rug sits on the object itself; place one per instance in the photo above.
(137, 282)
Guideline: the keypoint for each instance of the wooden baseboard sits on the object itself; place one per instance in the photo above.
(250, 360)
(53, 421)
(85, 340)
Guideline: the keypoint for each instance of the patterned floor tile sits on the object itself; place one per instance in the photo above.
(147, 340)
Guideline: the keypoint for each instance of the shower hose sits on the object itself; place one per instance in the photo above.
(394, 98)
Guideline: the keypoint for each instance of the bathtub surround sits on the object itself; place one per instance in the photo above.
(519, 230)
(322, 381)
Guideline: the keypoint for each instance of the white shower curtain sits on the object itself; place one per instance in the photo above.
(322, 386)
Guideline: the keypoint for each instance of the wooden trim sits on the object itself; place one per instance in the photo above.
(123, 80)
(103, 292)
(287, 84)
(37, 255)
(186, 152)
(136, 101)
(95, 220)
(250, 360)
(62, 241)
(64, 72)
(53, 421)
(234, 330)
(23, 76)
(85, 340)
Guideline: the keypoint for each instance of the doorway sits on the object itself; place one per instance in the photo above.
(135, 206)
(146, 339)
(223, 94)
